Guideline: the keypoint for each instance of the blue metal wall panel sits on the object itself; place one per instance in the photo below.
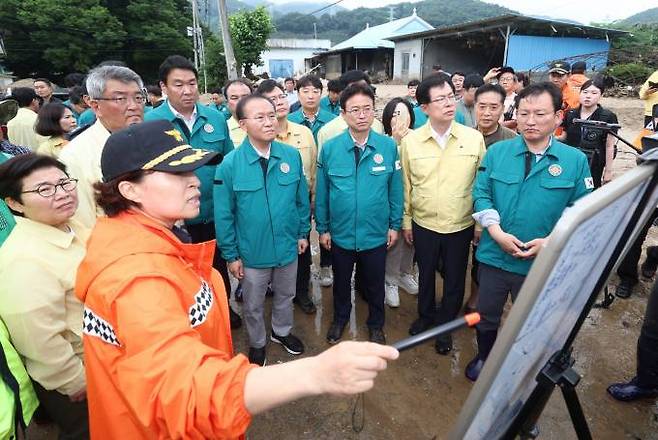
(527, 52)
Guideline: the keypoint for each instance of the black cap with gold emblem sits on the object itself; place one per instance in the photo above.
(152, 145)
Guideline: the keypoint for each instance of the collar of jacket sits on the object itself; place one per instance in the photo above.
(519, 147)
(425, 131)
(49, 233)
(253, 157)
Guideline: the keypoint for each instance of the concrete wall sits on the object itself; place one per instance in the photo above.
(414, 49)
(296, 56)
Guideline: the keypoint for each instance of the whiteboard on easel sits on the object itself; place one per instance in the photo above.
(552, 298)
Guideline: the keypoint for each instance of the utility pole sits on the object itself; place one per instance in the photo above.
(391, 17)
(231, 64)
(195, 28)
(315, 30)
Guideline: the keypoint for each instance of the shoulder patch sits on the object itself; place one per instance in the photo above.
(203, 301)
(589, 183)
(94, 325)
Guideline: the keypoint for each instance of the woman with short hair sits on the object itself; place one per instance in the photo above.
(55, 121)
(38, 265)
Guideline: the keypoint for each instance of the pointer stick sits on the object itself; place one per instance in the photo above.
(468, 320)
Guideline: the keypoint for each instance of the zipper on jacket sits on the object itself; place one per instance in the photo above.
(269, 212)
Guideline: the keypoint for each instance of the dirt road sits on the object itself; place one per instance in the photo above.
(420, 395)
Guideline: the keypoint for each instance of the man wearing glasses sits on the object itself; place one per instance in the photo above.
(439, 163)
(117, 98)
(301, 138)
(201, 127)
(262, 218)
(358, 209)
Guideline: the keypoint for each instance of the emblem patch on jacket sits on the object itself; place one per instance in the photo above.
(203, 301)
(94, 325)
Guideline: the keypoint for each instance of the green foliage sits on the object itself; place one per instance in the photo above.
(43, 36)
(344, 24)
(215, 62)
(629, 73)
(249, 32)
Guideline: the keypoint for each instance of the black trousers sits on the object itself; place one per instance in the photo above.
(372, 263)
(627, 269)
(495, 286)
(647, 344)
(325, 257)
(452, 251)
(205, 232)
(70, 417)
(304, 271)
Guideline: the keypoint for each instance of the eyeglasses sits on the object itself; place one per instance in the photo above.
(504, 79)
(262, 118)
(443, 100)
(355, 112)
(275, 99)
(48, 189)
(123, 100)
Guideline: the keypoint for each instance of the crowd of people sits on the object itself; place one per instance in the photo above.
(133, 207)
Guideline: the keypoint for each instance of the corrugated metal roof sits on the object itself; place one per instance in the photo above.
(552, 25)
(298, 43)
(377, 36)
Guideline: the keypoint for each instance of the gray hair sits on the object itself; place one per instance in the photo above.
(98, 78)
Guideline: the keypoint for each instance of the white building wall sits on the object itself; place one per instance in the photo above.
(415, 50)
(296, 55)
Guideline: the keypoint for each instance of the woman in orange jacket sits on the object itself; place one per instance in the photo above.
(157, 340)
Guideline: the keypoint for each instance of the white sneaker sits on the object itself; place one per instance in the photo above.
(409, 284)
(391, 295)
(326, 276)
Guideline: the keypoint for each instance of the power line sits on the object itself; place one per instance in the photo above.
(325, 7)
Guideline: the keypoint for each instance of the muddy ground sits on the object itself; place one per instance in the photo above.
(420, 395)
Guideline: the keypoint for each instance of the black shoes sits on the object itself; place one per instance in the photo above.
(419, 326)
(335, 332)
(236, 321)
(291, 343)
(624, 290)
(629, 391)
(257, 356)
(376, 335)
(648, 268)
(473, 369)
(443, 344)
(304, 303)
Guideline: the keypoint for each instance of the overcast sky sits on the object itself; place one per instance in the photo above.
(585, 11)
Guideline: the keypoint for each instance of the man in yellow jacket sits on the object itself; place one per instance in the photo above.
(439, 164)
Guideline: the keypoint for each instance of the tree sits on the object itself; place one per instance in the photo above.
(215, 61)
(45, 37)
(155, 30)
(250, 31)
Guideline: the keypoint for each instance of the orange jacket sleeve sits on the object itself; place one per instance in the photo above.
(172, 381)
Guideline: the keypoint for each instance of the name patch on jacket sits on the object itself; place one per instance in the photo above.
(94, 325)
(203, 301)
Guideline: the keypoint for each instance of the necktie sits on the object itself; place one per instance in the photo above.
(357, 155)
(263, 165)
(529, 157)
(182, 234)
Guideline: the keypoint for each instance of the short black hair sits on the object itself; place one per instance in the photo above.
(229, 83)
(289, 79)
(413, 83)
(540, 88)
(352, 76)
(74, 79)
(45, 80)
(13, 171)
(48, 119)
(523, 78)
(436, 80)
(388, 114)
(24, 96)
(239, 109)
(457, 73)
(506, 69)
(437, 67)
(267, 86)
(353, 90)
(335, 86)
(496, 88)
(309, 80)
(593, 82)
(473, 80)
(175, 62)
(110, 199)
(76, 94)
(217, 90)
(154, 89)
